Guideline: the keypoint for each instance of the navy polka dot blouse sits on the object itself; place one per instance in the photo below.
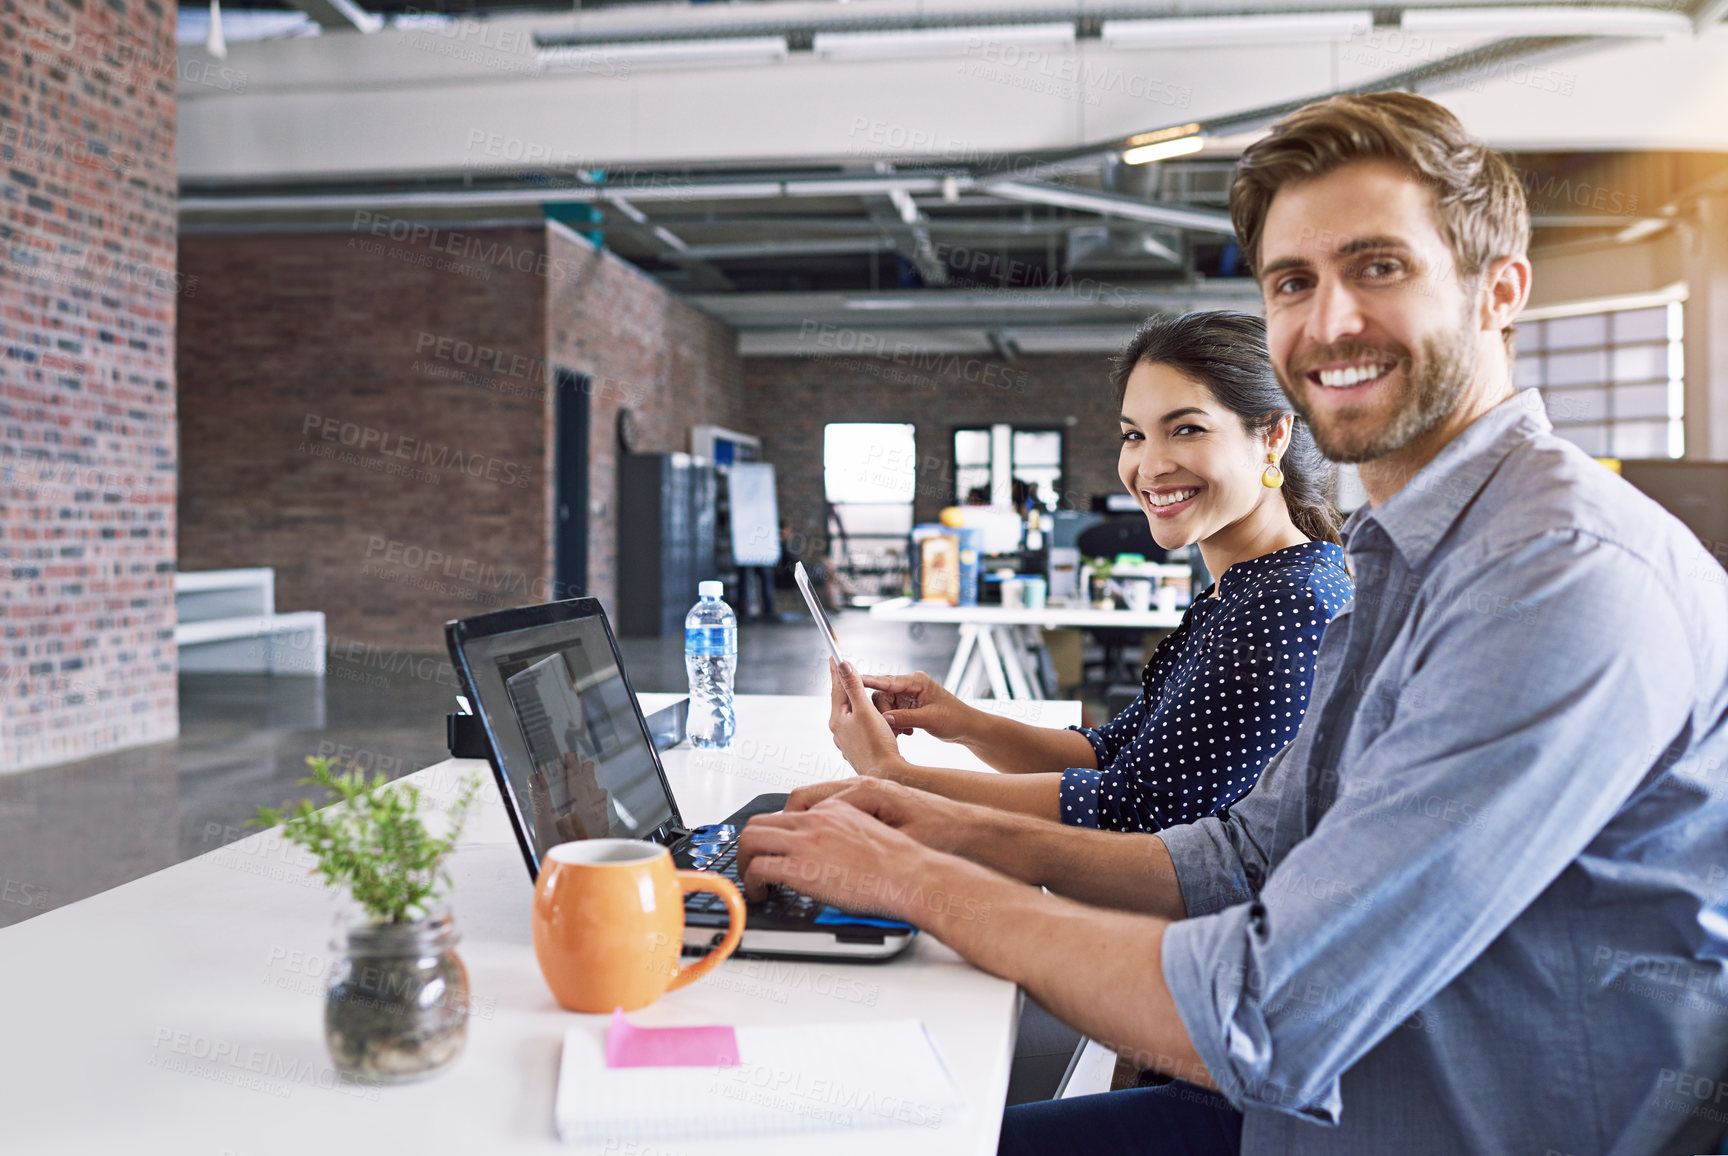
(1222, 694)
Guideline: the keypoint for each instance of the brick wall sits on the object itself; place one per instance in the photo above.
(87, 312)
(367, 411)
(365, 414)
(805, 394)
(641, 347)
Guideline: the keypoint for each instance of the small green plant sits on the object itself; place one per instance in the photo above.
(1100, 568)
(372, 840)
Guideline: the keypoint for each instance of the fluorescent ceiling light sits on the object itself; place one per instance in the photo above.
(709, 50)
(1164, 134)
(882, 303)
(1164, 150)
(1293, 28)
(1548, 20)
(939, 41)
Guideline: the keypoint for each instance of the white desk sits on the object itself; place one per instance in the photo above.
(130, 1018)
(1001, 641)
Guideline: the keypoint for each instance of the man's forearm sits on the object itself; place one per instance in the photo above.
(1116, 869)
(1065, 955)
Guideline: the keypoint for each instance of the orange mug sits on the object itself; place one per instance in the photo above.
(609, 923)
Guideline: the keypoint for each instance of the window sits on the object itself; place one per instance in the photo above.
(869, 462)
(870, 473)
(1612, 381)
(971, 465)
(1003, 465)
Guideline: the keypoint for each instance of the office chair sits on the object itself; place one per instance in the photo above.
(1124, 534)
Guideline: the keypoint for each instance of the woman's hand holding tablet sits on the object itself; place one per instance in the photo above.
(828, 635)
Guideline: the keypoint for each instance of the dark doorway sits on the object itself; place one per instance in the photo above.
(570, 461)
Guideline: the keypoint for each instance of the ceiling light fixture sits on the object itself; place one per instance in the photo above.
(1217, 31)
(1546, 20)
(1164, 150)
(707, 50)
(898, 45)
(1164, 134)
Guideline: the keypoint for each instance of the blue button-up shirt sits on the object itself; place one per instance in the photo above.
(1480, 904)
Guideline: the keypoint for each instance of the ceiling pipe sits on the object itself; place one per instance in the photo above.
(339, 15)
(1708, 14)
(674, 189)
(1115, 205)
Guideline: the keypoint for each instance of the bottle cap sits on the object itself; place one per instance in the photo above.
(710, 589)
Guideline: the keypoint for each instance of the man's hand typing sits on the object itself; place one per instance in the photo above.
(938, 823)
(833, 852)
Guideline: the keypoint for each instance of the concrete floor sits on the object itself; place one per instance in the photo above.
(79, 828)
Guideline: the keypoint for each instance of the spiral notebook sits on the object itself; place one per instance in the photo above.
(791, 1078)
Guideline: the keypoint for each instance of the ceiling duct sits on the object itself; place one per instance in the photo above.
(1124, 248)
(1140, 181)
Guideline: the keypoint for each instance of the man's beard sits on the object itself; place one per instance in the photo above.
(1431, 389)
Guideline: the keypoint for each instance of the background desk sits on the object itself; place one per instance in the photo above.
(1001, 638)
(223, 956)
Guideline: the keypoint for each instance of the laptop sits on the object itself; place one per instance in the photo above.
(574, 760)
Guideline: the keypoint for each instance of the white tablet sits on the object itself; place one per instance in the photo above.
(828, 634)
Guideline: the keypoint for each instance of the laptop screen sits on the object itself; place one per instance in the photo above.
(568, 737)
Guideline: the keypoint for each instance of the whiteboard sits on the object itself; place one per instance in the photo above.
(755, 514)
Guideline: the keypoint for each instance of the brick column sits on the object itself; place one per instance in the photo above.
(88, 291)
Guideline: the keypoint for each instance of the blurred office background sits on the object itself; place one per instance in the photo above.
(348, 319)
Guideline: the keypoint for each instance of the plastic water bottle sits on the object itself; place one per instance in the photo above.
(710, 658)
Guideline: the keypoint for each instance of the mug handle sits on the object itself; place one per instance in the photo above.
(728, 893)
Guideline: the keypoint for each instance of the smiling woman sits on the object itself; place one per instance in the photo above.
(1209, 368)
(1215, 457)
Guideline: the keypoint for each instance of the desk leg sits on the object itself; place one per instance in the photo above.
(1008, 646)
(992, 663)
(1038, 661)
(1028, 649)
(962, 652)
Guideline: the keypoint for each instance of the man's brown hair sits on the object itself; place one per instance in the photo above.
(1478, 200)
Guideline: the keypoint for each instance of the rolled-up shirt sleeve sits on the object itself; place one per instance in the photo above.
(1507, 751)
(1108, 740)
(1222, 859)
(1077, 801)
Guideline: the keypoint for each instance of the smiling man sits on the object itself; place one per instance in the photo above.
(1479, 904)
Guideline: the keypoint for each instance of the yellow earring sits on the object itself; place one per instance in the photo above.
(1271, 477)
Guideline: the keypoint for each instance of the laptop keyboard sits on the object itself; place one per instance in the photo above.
(781, 901)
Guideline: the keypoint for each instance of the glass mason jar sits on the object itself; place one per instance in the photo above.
(396, 1009)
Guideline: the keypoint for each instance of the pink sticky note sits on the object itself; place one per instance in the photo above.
(628, 1046)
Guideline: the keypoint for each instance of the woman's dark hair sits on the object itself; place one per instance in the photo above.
(1226, 352)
